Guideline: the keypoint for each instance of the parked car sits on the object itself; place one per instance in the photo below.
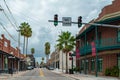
(50, 68)
(30, 67)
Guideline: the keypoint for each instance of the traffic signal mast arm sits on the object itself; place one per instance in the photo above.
(95, 24)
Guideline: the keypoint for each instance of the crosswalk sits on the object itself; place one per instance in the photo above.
(41, 73)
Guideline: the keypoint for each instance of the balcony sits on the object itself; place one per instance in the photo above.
(103, 44)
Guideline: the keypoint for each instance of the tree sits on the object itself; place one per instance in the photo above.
(43, 59)
(66, 43)
(28, 34)
(32, 50)
(47, 50)
(25, 31)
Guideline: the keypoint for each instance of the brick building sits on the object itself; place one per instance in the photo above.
(106, 39)
(9, 56)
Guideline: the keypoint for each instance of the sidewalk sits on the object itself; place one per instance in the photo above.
(79, 76)
(16, 74)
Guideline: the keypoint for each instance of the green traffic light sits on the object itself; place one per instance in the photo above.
(55, 23)
(79, 25)
(55, 20)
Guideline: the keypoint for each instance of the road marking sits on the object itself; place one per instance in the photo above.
(41, 73)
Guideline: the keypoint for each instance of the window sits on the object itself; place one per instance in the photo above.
(92, 64)
(99, 38)
(5, 62)
(100, 62)
(5, 44)
(87, 65)
(118, 37)
(82, 65)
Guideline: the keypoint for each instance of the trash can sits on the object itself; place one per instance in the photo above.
(70, 71)
(10, 71)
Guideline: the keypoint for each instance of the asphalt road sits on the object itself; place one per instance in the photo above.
(41, 74)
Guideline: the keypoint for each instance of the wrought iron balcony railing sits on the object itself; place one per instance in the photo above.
(101, 44)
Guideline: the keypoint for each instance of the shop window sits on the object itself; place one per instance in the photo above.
(100, 62)
(92, 64)
(82, 65)
(5, 44)
(87, 65)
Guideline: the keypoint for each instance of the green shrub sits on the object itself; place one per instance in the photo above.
(108, 72)
(114, 71)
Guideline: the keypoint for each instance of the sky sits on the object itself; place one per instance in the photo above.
(38, 12)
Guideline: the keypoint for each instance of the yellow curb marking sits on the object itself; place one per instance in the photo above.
(41, 73)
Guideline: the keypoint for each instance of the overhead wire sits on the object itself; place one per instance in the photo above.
(15, 22)
(8, 18)
(7, 31)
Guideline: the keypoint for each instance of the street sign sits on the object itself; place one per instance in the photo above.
(66, 21)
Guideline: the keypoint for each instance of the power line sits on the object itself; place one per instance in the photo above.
(7, 31)
(15, 22)
(8, 19)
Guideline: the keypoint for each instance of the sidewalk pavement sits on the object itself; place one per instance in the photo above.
(79, 76)
(16, 74)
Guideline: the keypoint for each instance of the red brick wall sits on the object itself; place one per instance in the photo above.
(109, 61)
(108, 32)
(114, 7)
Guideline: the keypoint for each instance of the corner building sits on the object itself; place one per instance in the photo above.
(107, 41)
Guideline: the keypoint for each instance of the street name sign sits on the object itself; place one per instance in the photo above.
(66, 21)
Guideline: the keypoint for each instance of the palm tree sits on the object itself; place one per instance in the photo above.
(32, 51)
(47, 50)
(26, 32)
(42, 59)
(66, 43)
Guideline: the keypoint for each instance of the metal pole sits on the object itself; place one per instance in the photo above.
(85, 53)
(95, 24)
(18, 49)
(62, 61)
(96, 32)
(72, 62)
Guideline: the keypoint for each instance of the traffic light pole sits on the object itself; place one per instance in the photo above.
(95, 24)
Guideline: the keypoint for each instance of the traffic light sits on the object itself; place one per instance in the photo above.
(79, 21)
(55, 19)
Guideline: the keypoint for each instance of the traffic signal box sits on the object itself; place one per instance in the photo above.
(55, 19)
(79, 21)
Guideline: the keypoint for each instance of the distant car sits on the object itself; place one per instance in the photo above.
(30, 68)
(50, 68)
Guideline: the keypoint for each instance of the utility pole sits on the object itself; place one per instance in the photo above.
(18, 49)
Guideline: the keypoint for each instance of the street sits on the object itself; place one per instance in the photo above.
(41, 74)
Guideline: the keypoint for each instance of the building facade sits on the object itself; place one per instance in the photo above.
(106, 39)
(9, 57)
(58, 60)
